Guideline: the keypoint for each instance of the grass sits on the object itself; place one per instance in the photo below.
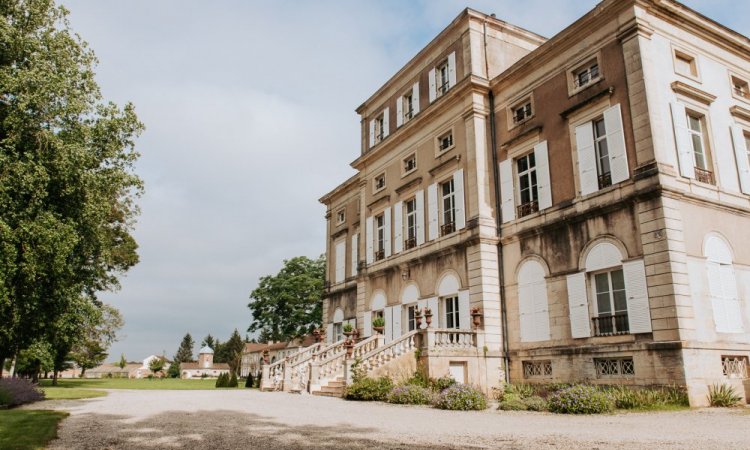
(22, 429)
(133, 383)
(70, 393)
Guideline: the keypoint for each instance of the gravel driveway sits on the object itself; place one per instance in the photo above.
(251, 419)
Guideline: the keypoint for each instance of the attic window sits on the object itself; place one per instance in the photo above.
(379, 182)
(685, 64)
(341, 216)
(740, 88)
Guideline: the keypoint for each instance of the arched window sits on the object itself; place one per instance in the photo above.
(453, 303)
(722, 286)
(533, 306)
(410, 302)
(378, 309)
(610, 295)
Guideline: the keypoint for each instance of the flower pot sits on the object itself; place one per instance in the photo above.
(378, 330)
(428, 319)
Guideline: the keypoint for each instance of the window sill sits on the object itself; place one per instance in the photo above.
(515, 125)
(573, 91)
(406, 174)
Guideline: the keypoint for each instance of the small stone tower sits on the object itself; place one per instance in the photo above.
(206, 357)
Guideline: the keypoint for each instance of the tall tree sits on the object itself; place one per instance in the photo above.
(209, 341)
(99, 331)
(123, 362)
(288, 305)
(231, 351)
(185, 351)
(67, 186)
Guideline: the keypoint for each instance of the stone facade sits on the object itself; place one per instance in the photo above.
(588, 195)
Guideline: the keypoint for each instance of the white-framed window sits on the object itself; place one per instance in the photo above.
(411, 314)
(611, 306)
(445, 141)
(685, 64)
(379, 237)
(528, 194)
(379, 122)
(442, 72)
(603, 169)
(442, 77)
(409, 164)
(378, 183)
(740, 87)
(522, 112)
(699, 145)
(338, 331)
(588, 74)
(451, 309)
(407, 105)
(410, 207)
(379, 128)
(340, 216)
(614, 367)
(448, 197)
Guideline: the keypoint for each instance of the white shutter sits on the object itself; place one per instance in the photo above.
(372, 133)
(464, 318)
(717, 297)
(398, 228)
(741, 156)
(386, 119)
(507, 194)
(370, 255)
(420, 217)
(329, 333)
(639, 310)
(387, 231)
(433, 304)
(340, 261)
(458, 189)
(433, 86)
(540, 309)
(682, 139)
(355, 254)
(526, 311)
(415, 99)
(452, 69)
(618, 155)
(432, 211)
(396, 321)
(586, 158)
(544, 185)
(367, 329)
(731, 299)
(579, 307)
(399, 111)
(387, 313)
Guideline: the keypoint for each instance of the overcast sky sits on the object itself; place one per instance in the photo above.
(249, 114)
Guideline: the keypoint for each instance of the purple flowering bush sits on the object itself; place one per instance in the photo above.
(461, 397)
(410, 394)
(17, 391)
(581, 399)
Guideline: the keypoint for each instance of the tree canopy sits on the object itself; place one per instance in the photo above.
(185, 351)
(67, 184)
(289, 304)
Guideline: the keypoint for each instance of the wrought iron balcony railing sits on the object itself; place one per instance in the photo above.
(611, 324)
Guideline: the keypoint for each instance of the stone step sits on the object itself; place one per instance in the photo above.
(332, 389)
(336, 384)
(328, 394)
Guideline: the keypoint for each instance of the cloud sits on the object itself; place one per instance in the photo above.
(249, 109)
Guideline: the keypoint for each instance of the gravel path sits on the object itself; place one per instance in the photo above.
(252, 419)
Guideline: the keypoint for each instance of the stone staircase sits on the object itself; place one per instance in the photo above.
(333, 388)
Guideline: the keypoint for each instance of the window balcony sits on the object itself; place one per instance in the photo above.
(528, 208)
(410, 243)
(704, 176)
(447, 228)
(443, 88)
(605, 180)
(611, 324)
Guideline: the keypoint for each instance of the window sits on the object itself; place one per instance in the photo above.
(379, 182)
(443, 78)
(522, 112)
(338, 331)
(340, 217)
(586, 75)
(411, 320)
(451, 312)
(537, 369)
(380, 237)
(410, 163)
(734, 366)
(611, 303)
(527, 185)
(411, 224)
(696, 125)
(685, 64)
(603, 169)
(614, 367)
(445, 141)
(740, 88)
(379, 128)
(449, 207)
(407, 106)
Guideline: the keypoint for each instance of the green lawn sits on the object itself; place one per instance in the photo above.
(132, 383)
(70, 393)
(22, 429)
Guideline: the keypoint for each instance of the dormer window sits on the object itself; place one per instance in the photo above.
(587, 75)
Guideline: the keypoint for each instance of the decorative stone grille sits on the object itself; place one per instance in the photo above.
(614, 367)
(537, 369)
(734, 366)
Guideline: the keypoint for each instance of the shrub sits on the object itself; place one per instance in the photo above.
(442, 383)
(419, 379)
(369, 389)
(461, 397)
(512, 402)
(249, 380)
(647, 398)
(535, 403)
(233, 381)
(723, 396)
(17, 391)
(410, 394)
(378, 322)
(222, 381)
(521, 390)
(581, 399)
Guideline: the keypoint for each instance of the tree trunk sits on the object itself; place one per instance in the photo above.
(2, 366)
(83, 370)
(54, 378)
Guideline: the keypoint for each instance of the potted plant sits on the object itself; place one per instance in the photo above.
(348, 329)
(476, 315)
(378, 324)
(418, 318)
(428, 316)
